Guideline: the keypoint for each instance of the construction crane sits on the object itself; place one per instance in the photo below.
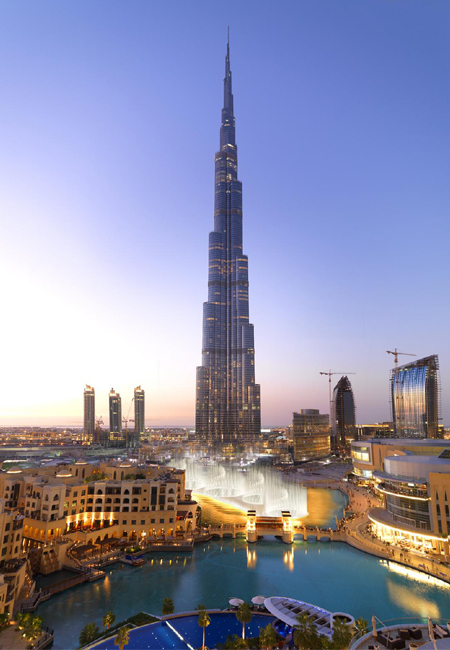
(98, 422)
(126, 420)
(396, 353)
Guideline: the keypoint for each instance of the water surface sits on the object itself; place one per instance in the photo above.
(331, 575)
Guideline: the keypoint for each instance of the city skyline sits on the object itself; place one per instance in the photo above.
(344, 156)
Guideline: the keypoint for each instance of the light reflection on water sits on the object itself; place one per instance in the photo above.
(415, 604)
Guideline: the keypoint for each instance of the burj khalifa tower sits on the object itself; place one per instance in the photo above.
(227, 397)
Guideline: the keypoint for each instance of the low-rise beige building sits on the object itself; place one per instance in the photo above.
(12, 560)
(87, 501)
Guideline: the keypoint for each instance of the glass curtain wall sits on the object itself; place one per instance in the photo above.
(415, 391)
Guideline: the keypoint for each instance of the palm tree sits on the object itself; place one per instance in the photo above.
(342, 634)
(268, 637)
(168, 607)
(361, 627)
(88, 634)
(305, 633)
(235, 642)
(203, 620)
(122, 638)
(108, 620)
(244, 615)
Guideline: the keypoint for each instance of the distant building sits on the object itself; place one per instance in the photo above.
(139, 411)
(415, 392)
(115, 412)
(89, 412)
(311, 435)
(343, 421)
(376, 430)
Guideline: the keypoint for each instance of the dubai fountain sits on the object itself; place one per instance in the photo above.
(251, 488)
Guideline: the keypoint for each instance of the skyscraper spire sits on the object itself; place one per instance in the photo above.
(228, 95)
(227, 402)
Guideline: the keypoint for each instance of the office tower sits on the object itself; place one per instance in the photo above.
(343, 420)
(415, 392)
(139, 414)
(115, 412)
(89, 412)
(228, 399)
(311, 435)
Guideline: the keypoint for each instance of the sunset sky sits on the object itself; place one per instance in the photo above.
(110, 122)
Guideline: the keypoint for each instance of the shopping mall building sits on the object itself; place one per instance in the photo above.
(412, 476)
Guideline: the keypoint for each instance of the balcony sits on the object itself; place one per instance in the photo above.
(416, 493)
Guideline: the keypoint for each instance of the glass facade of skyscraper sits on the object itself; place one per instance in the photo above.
(227, 399)
(311, 431)
(89, 412)
(139, 414)
(343, 418)
(115, 412)
(415, 392)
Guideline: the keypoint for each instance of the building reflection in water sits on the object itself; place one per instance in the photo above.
(411, 601)
(413, 574)
(288, 559)
(251, 558)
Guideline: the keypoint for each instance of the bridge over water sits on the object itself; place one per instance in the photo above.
(285, 526)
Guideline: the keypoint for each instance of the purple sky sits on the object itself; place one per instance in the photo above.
(110, 122)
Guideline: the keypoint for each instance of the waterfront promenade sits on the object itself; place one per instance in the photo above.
(358, 534)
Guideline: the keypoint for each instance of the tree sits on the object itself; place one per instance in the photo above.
(268, 638)
(361, 627)
(305, 633)
(234, 642)
(123, 637)
(33, 628)
(203, 620)
(325, 642)
(4, 621)
(342, 634)
(108, 620)
(168, 607)
(88, 634)
(31, 624)
(95, 476)
(22, 619)
(244, 615)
